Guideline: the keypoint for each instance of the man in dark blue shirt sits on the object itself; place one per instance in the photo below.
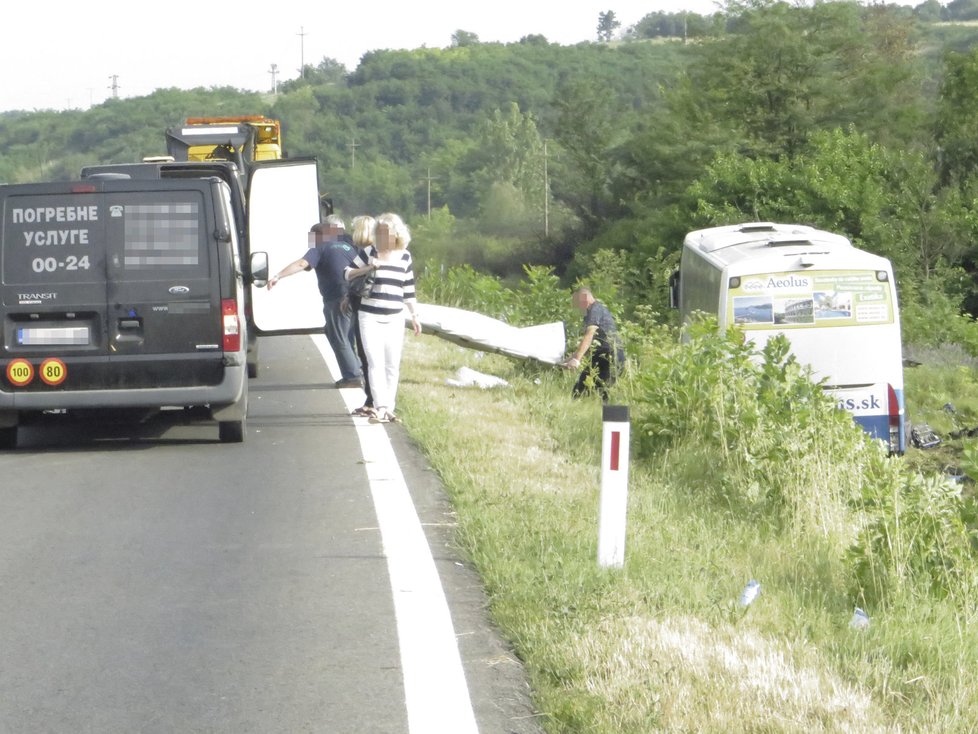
(601, 344)
(331, 252)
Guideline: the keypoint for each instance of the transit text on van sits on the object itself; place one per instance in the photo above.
(33, 298)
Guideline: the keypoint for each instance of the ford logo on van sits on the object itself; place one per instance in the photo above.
(179, 290)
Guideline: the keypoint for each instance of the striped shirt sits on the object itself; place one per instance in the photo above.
(393, 284)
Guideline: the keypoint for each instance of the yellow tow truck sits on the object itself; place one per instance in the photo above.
(242, 139)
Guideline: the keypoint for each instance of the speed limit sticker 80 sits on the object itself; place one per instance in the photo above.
(52, 371)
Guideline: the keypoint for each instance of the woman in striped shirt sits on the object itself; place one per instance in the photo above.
(381, 311)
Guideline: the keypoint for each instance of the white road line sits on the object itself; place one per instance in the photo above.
(435, 691)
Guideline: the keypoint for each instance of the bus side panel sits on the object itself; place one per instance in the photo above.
(700, 288)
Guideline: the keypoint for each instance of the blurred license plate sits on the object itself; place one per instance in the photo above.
(50, 336)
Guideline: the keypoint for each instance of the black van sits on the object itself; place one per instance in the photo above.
(273, 203)
(118, 294)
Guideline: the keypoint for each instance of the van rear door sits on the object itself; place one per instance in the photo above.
(163, 285)
(283, 203)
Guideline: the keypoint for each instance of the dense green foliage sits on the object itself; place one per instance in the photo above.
(854, 118)
(857, 119)
(776, 446)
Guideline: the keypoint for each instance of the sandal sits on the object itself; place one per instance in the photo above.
(380, 418)
(364, 411)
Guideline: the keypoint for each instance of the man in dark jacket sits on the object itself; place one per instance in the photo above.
(601, 345)
(331, 251)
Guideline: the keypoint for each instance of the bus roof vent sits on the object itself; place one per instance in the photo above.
(788, 242)
(758, 227)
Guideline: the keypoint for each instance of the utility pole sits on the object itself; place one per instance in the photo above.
(429, 178)
(546, 193)
(353, 152)
(115, 85)
(274, 71)
(302, 51)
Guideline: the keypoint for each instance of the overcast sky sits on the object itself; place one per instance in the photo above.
(60, 55)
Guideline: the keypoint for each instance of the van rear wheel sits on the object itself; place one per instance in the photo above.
(231, 431)
(8, 437)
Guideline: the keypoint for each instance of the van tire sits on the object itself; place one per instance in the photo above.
(8, 437)
(253, 359)
(231, 431)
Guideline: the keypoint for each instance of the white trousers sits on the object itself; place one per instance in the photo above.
(383, 342)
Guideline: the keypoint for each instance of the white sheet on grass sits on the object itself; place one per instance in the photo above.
(544, 342)
(468, 377)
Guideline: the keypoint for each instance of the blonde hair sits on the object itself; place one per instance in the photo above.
(364, 228)
(399, 230)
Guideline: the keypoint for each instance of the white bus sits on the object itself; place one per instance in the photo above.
(836, 304)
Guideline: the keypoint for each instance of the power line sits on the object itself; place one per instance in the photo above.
(274, 71)
(302, 51)
(429, 178)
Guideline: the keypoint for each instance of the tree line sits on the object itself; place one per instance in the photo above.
(603, 154)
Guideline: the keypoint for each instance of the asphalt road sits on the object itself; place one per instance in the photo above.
(153, 579)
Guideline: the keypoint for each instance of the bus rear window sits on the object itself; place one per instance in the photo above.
(809, 298)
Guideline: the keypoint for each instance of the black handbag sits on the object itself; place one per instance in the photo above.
(361, 285)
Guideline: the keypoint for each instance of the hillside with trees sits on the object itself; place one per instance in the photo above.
(852, 118)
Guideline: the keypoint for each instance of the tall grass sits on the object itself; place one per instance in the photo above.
(741, 469)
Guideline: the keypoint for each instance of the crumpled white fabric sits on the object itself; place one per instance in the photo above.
(467, 377)
(543, 342)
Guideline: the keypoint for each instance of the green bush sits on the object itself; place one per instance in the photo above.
(776, 442)
(918, 538)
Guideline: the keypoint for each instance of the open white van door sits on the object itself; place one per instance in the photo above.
(283, 203)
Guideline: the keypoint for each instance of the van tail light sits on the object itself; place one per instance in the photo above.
(232, 325)
(893, 415)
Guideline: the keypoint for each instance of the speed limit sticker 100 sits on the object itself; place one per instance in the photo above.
(20, 372)
(53, 371)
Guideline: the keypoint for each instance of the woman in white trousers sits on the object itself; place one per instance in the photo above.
(381, 313)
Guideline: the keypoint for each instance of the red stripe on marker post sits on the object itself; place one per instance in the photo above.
(614, 486)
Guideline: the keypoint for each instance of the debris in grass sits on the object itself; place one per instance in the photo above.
(467, 377)
(750, 593)
(923, 437)
(860, 620)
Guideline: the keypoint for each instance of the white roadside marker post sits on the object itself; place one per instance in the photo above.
(614, 486)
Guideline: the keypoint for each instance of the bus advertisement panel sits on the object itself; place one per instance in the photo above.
(827, 298)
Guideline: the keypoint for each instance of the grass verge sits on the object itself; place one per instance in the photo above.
(662, 645)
